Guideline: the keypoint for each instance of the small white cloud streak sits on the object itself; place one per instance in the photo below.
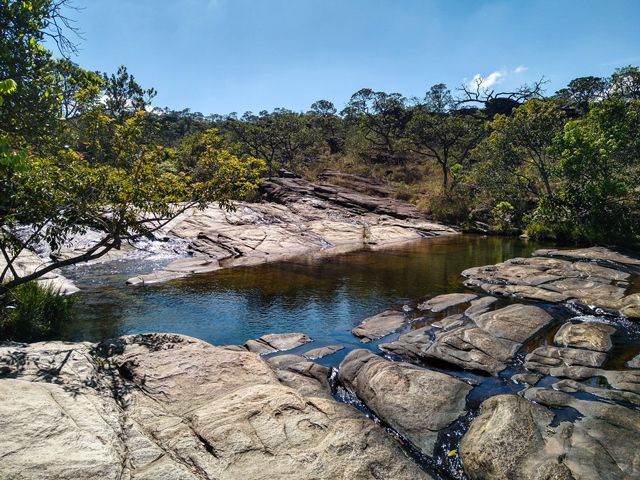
(520, 69)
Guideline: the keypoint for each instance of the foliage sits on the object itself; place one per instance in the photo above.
(517, 150)
(31, 312)
(599, 200)
(381, 118)
(438, 130)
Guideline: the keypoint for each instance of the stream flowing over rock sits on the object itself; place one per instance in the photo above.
(165, 406)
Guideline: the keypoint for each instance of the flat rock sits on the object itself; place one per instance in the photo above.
(275, 342)
(162, 406)
(544, 358)
(448, 300)
(461, 342)
(593, 254)
(515, 322)
(479, 306)
(379, 325)
(575, 275)
(507, 441)
(591, 335)
(320, 352)
(294, 218)
(416, 402)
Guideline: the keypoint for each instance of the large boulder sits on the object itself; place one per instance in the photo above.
(416, 402)
(173, 407)
(507, 442)
(515, 438)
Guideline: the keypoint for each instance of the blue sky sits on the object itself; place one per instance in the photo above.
(221, 56)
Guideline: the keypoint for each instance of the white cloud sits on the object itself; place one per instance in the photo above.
(487, 82)
(520, 69)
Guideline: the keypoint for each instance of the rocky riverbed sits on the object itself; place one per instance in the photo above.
(532, 373)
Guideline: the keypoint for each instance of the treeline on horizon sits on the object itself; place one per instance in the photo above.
(564, 166)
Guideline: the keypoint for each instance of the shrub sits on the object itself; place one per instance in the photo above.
(32, 312)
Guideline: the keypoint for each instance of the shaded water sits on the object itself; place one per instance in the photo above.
(324, 298)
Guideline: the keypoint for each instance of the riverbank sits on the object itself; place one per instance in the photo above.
(473, 386)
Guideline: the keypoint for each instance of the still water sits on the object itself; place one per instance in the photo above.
(324, 297)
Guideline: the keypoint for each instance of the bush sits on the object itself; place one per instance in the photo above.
(31, 312)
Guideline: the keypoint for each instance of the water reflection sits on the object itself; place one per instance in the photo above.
(324, 297)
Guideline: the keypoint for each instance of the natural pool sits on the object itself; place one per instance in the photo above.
(322, 297)
(325, 297)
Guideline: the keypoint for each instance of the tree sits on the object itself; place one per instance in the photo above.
(520, 144)
(582, 91)
(31, 114)
(497, 102)
(64, 195)
(123, 95)
(438, 130)
(282, 137)
(382, 118)
(324, 117)
(599, 200)
(625, 83)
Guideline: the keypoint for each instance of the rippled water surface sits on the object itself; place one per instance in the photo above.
(323, 297)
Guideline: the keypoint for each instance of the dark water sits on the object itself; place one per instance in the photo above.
(324, 298)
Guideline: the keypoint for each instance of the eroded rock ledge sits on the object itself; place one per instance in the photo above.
(163, 406)
(297, 217)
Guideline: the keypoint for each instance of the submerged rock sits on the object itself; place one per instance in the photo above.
(526, 378)
(320, 352)
(416, 402)
(379, 325)
(169, 406)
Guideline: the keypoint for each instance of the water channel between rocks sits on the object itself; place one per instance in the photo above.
(324, 298)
